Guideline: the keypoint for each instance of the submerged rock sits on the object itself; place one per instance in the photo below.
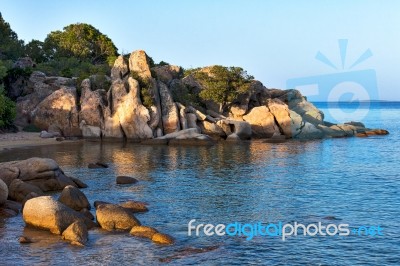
(126, 180)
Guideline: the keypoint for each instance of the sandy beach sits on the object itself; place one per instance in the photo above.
(24, 139)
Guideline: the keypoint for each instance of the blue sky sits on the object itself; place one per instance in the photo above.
(273, 40)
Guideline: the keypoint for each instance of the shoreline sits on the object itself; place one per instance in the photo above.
(22, 139)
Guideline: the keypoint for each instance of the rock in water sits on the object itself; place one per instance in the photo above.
(3, 192)
(46, 213)
(74, 198)
(134, 206)
(111, 217)
(19, 190)
(77, 233)
(126, 180)
(143, 231)
(162, 239)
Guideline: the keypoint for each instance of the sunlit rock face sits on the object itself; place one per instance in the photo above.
(141, 101)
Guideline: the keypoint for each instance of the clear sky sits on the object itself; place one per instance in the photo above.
(273, 40)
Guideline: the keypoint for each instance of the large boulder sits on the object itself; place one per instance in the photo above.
(281, 114)
(169, 110)
(41, 172)
(120, 69)
(307, 110)
(112, 217)
(262, 122)
(3, 192)
(139, 63)
(46, 213)
(302, 129)
(59, 109)
(74, 198)
(125, 115)
(212, 130)
(35, 91)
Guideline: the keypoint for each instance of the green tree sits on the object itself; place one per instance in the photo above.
(82, 41)
(222, 84)
(7, 107)
(10, 47)
(35, 50)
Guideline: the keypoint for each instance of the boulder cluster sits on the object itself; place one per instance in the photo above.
(23, 187)
(139, 106)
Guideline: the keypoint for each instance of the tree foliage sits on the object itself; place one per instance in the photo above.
(7, 106)
(82, 41)
(221, 84)
(10, 47)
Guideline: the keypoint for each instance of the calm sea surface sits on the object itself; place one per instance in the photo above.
(351, 180)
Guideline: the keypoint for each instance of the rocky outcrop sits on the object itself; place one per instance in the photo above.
(126, 117)
(92, 105)
(120, 69)
(145, 102)
(46, 213)
(167, 73)
(60, 110)
(138, 62)
(262, 122)
(170, 113)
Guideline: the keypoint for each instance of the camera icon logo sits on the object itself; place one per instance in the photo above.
(348, 93)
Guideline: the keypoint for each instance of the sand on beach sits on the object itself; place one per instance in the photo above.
(24, 139)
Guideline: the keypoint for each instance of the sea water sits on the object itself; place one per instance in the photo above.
(354, 181)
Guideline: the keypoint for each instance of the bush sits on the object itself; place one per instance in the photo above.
(31, 128)
(7, 109)
(221, 84)
(145, 89)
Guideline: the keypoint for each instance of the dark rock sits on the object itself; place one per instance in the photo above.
(126, 180)
(25, 240)
(97, 165)
(74, 198)
(79, 183)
